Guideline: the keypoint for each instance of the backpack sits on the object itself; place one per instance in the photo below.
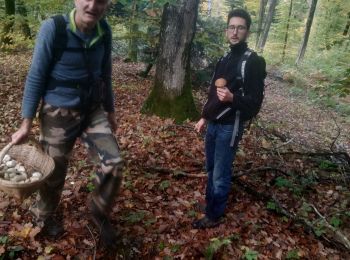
(240, 76)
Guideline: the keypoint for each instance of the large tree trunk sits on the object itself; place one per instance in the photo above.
(287, 30)
(270, 15)
(307, 32)
(10, 9)
(262, 8)
(171, 95)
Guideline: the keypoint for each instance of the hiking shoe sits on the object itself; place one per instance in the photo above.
(51, 227)
(205, 223)
(109, 237)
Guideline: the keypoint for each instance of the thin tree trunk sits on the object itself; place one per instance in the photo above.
(303, 46)
(347, 26)
(171, 95)
(262, 8)
(287, 30)
(133, 31)
(22, 10)
(270, 15)
(209, 7)
(10, 9)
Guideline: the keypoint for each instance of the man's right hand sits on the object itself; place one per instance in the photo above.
(200, 125)
(23, 132)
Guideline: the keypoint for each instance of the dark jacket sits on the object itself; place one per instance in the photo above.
(248, 103)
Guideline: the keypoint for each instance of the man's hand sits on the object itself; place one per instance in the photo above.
(112, 121)
(200, 125)
(224, 94)
(23, 132)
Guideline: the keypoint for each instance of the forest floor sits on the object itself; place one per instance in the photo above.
(291, 200)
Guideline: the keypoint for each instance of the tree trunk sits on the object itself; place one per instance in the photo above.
(133, 31)
(262, 8)
(209, 7)
(307, 32)
(347, 26)
(10, 9)
(171, 95)
(287, 30)
(22, 10)
(270, 15)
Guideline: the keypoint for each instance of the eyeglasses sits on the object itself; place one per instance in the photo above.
(239, 28)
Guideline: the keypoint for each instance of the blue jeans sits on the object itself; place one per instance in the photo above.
(219, 158)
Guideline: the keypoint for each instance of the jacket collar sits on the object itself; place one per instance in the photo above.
(98, 31)
(239, 48)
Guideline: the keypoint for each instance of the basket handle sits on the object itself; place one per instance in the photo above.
(5, 150)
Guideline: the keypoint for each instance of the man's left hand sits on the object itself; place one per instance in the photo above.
(224, 94)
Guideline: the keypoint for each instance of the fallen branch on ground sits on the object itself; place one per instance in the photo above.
(175, 172)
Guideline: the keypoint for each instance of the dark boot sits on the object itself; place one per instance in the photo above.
(52, 227)
(100, 205)
(205, 222)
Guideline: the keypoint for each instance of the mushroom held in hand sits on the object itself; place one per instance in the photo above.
(220, 83)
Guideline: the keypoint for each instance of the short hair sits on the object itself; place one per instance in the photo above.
(242, 14)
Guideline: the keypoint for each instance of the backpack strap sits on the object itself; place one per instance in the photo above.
(240, 76)
(61, 38)
(242, 65)
(107, 39)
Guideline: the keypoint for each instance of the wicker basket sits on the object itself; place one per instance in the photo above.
(32, 158)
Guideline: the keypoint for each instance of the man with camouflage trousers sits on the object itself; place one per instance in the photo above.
(77, 101)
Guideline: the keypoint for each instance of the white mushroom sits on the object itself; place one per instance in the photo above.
(37, 175)
(11, 163)
(6, 158)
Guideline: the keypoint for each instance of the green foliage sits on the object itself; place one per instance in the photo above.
(214, 246)
(335, 221)
(208, 41)
(271, 205)
(325, 66)
(175, 248)
(4, 239)
(90, 186)
(11, 252)
(250, 254)
(282, 182)
(164, 185)
(304, 210)
(161, 246)
(134, 217)
(320, 228)
(292, 255)
(327, 165)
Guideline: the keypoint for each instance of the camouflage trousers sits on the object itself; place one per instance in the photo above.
(60, 127)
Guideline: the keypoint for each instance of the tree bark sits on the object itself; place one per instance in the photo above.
(262, 8)
(209, 7)
(171, 95)
(133, 31)
(22, 10)
(347, 26)
(10, 9)
(287, 30)
(270, 15)
(303, 46)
